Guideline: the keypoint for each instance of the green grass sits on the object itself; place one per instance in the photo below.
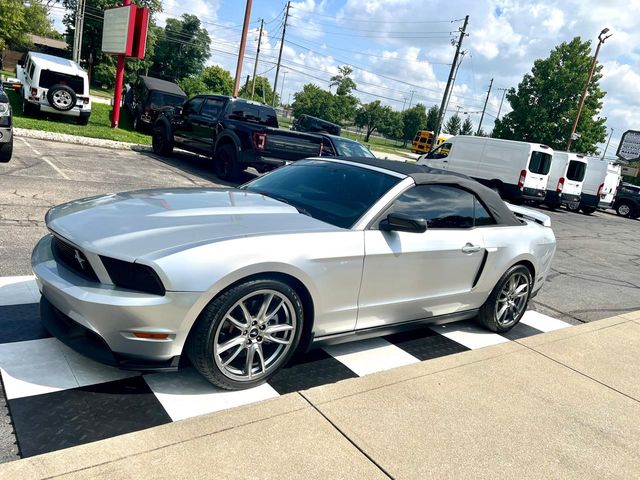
(7, 73)
(99, 123)
(99, 92)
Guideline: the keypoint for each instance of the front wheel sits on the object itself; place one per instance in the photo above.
(6, 151)
(244, 336)
(161, 142)
(508, 301)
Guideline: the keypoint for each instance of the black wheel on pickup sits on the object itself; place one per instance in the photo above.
(6, 150)
(162, 140)
(225, 163)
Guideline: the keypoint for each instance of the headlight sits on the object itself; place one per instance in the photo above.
(4, 109)
(133, 276)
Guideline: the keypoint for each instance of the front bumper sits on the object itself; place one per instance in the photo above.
(98, 320)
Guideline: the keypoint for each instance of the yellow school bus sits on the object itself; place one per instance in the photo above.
(422, 141)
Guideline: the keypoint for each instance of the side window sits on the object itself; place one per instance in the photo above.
(193, 105)
(442, 151)
(442, 206)
(32, 69)
(327, 149)
(212, 107)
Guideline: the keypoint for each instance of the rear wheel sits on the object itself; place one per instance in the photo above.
(161, 141)
(588, 210)
(624, 209)
(244, 336)
(572, 207)
(225, 163)
(508, 301)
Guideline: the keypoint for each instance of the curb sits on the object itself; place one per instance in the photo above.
(77, 140)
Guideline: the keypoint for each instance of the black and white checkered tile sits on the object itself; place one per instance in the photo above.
(59, 399)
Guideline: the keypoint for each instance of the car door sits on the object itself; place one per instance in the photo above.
(184, 133)
(409, 276)
(204, 125)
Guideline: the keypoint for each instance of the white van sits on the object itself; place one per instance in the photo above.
(611, 183)
(516, 170)
(565, 180)
(54, 85)
(592, 185)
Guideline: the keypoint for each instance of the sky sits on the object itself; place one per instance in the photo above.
(401, 50)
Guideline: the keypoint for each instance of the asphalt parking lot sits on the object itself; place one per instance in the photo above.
(595, 275)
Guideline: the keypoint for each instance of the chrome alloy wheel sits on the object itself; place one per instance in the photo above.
(255, 334)
(512, 300)
(62, 99)
(624, 210)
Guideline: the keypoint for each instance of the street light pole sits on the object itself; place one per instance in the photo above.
(601, 38)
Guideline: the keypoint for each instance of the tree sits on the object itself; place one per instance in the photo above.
(467, 127)
(17, 20)
(452, 126)
(193, 85)
(371, 116)
(482, 133)
(545, 103)
(181, 49)
(393, 125)
(37, 20)
(343, 81)
(344, 108)
(218, 80)
(263, 90)
(314, 101)
(414, 119)
(432, 118)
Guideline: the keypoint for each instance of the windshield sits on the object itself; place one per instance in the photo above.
(334, 193)
(576, 170)
(349, 148)
(159, 100)
(540, 163)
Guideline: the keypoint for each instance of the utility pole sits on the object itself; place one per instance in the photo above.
(243, 44)
(284, 75)
(453, 82)
(255, 65)
(284, 30)
(404, 103)
(436, 132)
(504, 91)
(486, 100)
(77, 35)
(601, 39)
(607, 147)
(411, 99)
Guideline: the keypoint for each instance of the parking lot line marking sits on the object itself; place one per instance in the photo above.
(469, 334)
(55, 168)
(370, 356)
(18, 290)
(542, 322)
(186, 394)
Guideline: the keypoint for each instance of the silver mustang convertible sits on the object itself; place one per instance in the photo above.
(322, 250)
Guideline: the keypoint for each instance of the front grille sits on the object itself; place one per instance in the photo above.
(73, 259)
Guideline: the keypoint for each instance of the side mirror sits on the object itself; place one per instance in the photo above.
(401, 222)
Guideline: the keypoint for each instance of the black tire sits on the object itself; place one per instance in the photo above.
(588, 210)
(210, 326)
(624, 209)
(572, 207)
(162, 141)
(488, 315)
(6, 150)
(27, 108)
(62, 97)
(83, 120)
(225, 163)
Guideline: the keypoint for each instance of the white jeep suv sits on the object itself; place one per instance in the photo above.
(54, 85)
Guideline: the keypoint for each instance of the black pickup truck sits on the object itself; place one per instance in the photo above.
(235, 133)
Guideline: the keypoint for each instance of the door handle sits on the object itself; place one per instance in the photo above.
(469, 248)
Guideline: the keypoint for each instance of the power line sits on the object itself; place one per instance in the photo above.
(381, 21)
(441, 35)
(368, 30)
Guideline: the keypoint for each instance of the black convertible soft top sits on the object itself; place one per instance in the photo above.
(424, 175)
(160, 85)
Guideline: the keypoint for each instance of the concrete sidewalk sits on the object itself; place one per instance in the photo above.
(564, 404)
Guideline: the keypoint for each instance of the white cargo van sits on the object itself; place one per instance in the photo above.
(516, 170)
(611, 183)
(592, 185)
(565, 180)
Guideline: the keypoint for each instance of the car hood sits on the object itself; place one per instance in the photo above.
(134, 224)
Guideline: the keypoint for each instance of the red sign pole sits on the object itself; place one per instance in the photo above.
(117, 94)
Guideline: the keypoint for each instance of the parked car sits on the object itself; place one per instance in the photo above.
(147, 96)
(6, 127)
(54, 85)
(516, 170)
(611, 182)
(307, 123)
(566, 176)
(235, 133)
(422, 141)
(334, 146)
(319, 251)
(592, 186)
(627, 202)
